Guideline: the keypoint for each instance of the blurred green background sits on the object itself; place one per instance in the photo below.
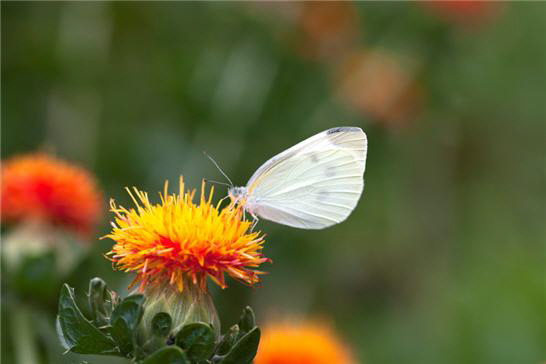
(443, 260)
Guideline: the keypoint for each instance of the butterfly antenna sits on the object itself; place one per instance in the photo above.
(218, 183)
(220, 169)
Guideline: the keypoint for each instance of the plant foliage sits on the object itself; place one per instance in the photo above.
(114, 329)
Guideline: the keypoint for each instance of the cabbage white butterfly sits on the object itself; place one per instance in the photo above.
(312, 185)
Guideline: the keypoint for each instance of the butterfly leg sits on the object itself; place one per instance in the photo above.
(255, 222)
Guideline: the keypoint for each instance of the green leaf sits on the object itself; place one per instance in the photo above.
(139, 353)
(60, 334)
(78, 334)
(244, 350)
(167, 355)
(161, 324)
(136, 298)
(130, 310)
(228, 340)
(150, 345)
(122, 335)
(124, 320)
(197, 340)
(247, 321)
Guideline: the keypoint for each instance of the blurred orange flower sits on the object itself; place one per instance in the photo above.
(177, 241)
(44, 188)
(464, 11)
(380, 85)
(329, 28)
(302, 343)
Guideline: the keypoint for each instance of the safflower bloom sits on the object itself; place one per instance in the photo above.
(301, 343)
(39, 187)
(178, 242)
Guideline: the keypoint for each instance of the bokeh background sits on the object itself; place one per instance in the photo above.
(443, 260)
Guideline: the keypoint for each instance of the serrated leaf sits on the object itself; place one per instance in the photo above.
(122, 335)
(78, 334)
(167, 355)
(244, 350)
(129, 310)
(247, 321)
(60, 334)
(228, 340)
(197, 340)
(161, 324)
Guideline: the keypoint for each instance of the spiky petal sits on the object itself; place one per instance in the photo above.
(179, 241)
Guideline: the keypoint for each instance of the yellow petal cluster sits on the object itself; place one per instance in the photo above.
(179, 241)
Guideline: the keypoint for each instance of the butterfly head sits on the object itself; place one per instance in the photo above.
(237, 194)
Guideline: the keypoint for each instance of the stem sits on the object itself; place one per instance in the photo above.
(23, 336)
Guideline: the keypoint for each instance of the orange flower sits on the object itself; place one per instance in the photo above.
(42, 187)
(178, 241)
(380, 85)
(304, 343)
(470, 12)
(329, 28)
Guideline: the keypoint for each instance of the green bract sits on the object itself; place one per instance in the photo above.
(115, 329)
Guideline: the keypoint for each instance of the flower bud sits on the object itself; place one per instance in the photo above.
(193, 304)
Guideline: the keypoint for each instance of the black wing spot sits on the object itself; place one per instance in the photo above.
(314, 158)
(322, 195)
(342, 129)
(330, 171)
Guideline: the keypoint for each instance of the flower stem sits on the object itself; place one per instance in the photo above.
(23, 336)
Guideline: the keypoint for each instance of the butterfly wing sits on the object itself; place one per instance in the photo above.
(314, 184)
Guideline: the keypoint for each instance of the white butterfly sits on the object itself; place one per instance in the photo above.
(313, 185)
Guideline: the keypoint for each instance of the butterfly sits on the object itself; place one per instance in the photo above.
(312, 185)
